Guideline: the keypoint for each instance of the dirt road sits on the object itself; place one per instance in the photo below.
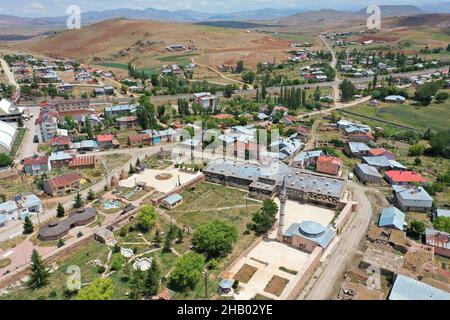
(9, 74)
(330, 273)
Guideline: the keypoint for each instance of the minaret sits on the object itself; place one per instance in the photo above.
(283, 196)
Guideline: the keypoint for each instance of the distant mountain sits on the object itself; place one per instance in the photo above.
(438, 7)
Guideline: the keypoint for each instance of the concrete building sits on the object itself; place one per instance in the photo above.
(62, 185)
(412, 198)
(383, 163)
(37, 165)
(9, 112)
(64, 105)
(8, 132)
(307, 158)
(120, 110)
(206, 100)
(21, 206)
(356, 149)
(46, 125)
(329, 165)
(367, 173)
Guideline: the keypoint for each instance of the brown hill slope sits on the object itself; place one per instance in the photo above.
(120, 38)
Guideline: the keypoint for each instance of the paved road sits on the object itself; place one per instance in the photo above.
(331, 271)
(28, 148)
(9, 74)
(270, 89)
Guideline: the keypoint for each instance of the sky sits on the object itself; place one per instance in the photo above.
(47, 8)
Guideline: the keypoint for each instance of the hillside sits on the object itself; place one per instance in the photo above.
(122, 40)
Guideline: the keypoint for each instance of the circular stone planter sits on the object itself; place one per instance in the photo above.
(163, 176)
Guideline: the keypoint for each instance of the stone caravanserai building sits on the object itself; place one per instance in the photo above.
(265, 181)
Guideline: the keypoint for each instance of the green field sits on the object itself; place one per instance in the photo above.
(434, 116)
(294, 37)
(123, 66)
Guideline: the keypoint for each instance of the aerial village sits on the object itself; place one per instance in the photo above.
(153, 174)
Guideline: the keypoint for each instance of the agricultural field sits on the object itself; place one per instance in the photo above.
(434, 116)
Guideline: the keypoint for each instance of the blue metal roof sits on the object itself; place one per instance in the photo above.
(2, 219)
(406, 288)
(411, 193)
(392, 217)
(358, 147)
(442, 213)
(174, 198)
(226, 284)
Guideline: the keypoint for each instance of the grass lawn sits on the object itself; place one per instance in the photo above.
(295, 37)
(434, 116)
(56, 289)
(12, 243)
(17, 141)
(123, 66)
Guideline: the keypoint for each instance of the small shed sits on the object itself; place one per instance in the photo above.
(172, 201)
(226, 286)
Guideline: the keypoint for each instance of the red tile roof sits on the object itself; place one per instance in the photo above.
(82, 161)
(81, 112)
(105, 137)
(331, 160)
(404, 176)
(61, 140)
(377, 151)
(35, 161)
(138, 137)
(64, 180)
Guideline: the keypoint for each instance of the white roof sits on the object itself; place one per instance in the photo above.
(7, 134)
(5, 105)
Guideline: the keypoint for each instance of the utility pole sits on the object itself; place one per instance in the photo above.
(206, 283)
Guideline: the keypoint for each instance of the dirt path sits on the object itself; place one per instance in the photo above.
(9, 74)
(335, 86)
(221, 74)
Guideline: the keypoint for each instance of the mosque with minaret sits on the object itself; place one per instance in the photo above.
(305, 235)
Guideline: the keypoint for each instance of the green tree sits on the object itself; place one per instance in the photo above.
(416, 229)
(248, 77)
(317, 94)
(187, 271)
(60, 211)
(99, 289)
(214, 238)
(240, 66)
(146, 218)
(264, 219)
(440, 143)
(38, 272)
(347, 90)
(90, 195)
(78, 201)
(442, 96)
(157, 238)
(28, 226)
(137, 285)
(442, 224)
(88, 128)
(416, 149)
(152, 279)
(5, 160)
(425, 92)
